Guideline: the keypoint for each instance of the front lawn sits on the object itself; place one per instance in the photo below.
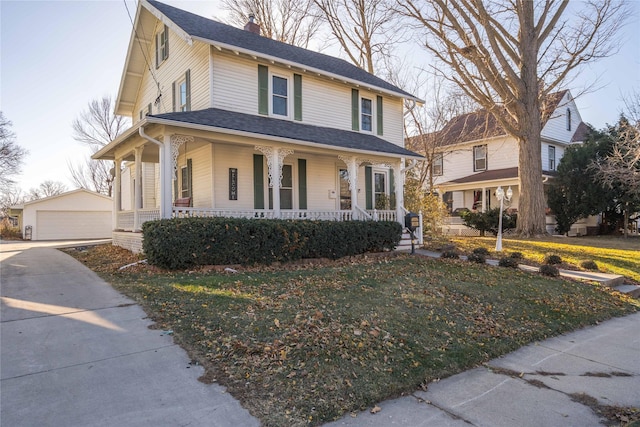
(301, 345)
(614, 255)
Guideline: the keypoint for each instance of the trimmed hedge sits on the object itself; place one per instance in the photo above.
(186, 242)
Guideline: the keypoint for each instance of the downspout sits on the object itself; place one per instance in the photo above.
(163, 159)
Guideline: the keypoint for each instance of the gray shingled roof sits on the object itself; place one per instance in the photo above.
(200, 27)
(262, 125)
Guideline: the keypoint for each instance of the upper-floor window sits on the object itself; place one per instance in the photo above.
(144, 113)
(279, 96)
(363, 111)
(479, 158)
(366, 115)
(182, 93)
(437, 165)
(568, 119)
(552, 158)
(162, 46)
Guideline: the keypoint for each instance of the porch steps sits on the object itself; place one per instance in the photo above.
(405, 242)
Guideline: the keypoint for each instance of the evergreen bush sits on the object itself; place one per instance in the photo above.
(450, 254)
(186, 242)
(549, 270)
(477, 258)
(553, 259)
(589, 265)
(508, 262)
(481, 251)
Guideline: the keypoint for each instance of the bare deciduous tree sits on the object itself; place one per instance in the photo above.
(620, 169)
(46, 189)
(365, 29)
(96, 127)
(509, 56)
(290, 21)
(11, 155)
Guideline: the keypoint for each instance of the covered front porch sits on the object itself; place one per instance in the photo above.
(166, 171)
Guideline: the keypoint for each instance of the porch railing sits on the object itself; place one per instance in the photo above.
(263, 214)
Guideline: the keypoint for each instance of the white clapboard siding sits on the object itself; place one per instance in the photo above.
(235, 83)
(182, 57)
(555, 130)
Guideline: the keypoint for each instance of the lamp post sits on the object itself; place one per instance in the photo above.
(501, 196)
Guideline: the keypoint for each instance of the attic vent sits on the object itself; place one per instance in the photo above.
(251, 26)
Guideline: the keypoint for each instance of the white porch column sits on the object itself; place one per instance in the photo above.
(275, 159)
(484, 199)
(166, 177)
(398, 178)
(137, 190)
(117, 192)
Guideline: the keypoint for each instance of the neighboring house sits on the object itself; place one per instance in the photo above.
(230, 123)
(77, 214)
(476, 156)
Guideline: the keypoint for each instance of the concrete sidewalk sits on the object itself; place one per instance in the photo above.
(530, 387)
(74, 352)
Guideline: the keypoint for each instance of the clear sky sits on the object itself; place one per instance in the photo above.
(56, 56)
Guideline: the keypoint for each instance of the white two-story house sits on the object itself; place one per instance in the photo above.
(476, 156)
(227, 122)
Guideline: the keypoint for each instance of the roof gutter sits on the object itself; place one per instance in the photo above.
(147, 137)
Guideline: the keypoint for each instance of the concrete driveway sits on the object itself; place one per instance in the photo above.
(74, 352)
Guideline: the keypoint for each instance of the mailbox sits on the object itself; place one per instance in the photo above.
(412, 221)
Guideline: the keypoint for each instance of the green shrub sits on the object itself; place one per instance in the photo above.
(589, 265)
(477, 258)
(185, 242)
(450, 254)
(516, 255)
(489, 220)
(553, 259)
(508, 262)
(481, 251)
(549, 270)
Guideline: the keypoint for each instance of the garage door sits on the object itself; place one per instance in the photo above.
(62, 225)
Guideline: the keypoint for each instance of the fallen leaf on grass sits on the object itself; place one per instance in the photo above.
(376, 409)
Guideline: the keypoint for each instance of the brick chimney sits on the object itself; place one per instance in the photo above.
(251, 26)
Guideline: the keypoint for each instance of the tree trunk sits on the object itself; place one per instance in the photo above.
(531, 207)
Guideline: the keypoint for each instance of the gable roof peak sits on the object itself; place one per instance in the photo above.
(222, 35)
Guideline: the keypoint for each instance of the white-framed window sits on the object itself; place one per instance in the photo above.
(182, 95)
(145, 112)
(437, 164)
(184, 182)
(162, 46)
(552, 158)
(345, 190)
(366, 114)
(568, 119)
(479, 158)
(286, 189)
(380, 190)
(279, 95)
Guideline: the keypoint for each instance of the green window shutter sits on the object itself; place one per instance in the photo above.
(302, 183)
(173, 97)
(190, 179)
(379, 114)
(368, 187)
(166, 42)
(355, 109)
(187, 79)
(297, 97)
(263, 89)
(157, 40)
(258, 181)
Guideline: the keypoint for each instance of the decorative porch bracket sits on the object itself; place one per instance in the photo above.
(275, 158)
(176, 142)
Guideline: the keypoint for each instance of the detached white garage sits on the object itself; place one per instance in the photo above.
(78, 214)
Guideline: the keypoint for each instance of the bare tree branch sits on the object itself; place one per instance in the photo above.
(11, 155)
(509, 57)
(290, 21)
